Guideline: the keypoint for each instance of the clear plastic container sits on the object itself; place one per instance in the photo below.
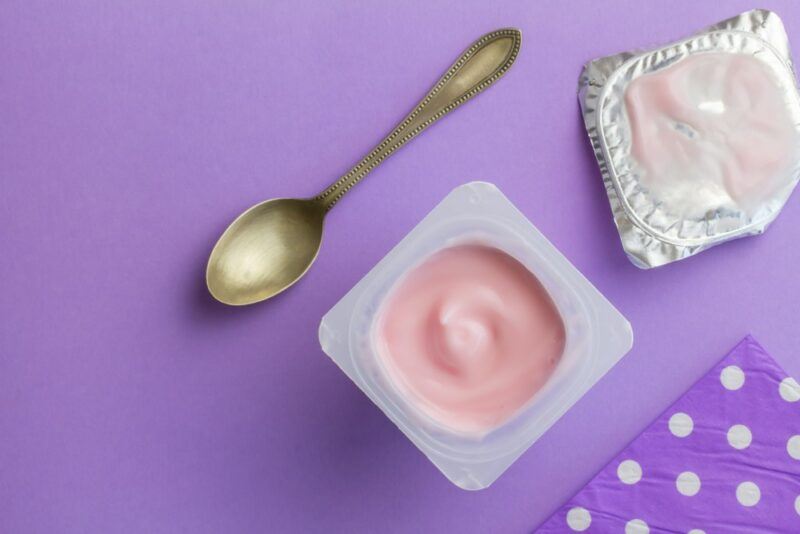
(597, 335)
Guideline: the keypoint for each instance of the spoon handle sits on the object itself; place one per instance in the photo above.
(482, 64)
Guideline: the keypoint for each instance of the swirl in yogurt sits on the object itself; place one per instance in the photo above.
(470, 336)
(711, 131)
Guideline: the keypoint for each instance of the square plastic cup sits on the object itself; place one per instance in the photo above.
(597, 335)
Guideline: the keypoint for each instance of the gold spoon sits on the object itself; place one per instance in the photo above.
(271, 245)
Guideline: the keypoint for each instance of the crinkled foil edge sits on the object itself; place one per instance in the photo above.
(643, 247)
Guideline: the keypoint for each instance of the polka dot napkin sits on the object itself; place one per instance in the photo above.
(725, 458)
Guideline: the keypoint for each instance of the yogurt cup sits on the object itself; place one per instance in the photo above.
(596, 334)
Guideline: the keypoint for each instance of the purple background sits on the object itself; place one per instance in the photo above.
(132, 133)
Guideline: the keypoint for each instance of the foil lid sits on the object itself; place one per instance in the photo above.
(660, 219)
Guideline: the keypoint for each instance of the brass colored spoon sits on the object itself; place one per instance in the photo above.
(271, 245)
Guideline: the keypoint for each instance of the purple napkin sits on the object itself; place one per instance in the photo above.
(725, 458)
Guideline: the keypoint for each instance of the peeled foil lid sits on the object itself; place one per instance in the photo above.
(653, 231)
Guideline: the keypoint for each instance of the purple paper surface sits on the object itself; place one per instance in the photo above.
(131, 133)
(724, 458)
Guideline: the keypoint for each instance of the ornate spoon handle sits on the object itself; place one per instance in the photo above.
(477, 68)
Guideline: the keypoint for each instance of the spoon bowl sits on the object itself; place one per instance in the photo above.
(265, 250)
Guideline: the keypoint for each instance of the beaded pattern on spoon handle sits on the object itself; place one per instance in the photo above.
(336, 190)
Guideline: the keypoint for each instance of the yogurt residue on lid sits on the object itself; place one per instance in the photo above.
(470, 335)
(711, 131)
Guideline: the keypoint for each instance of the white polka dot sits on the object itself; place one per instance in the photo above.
(739, 437)
(789, 390)
(579, 519)
(732, 377)
(681, 425)
(793, 447)
(636, 526)
(748, 494)
(688, 483)
(697, 531)
(629, 472)
(797, 505)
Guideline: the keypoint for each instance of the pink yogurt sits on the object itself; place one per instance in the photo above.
(469, 336)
